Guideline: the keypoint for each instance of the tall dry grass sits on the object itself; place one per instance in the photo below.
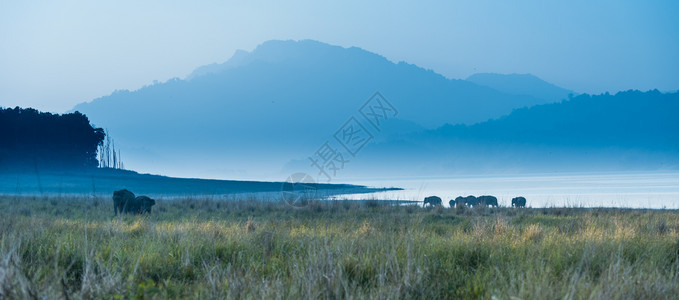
(73, 248)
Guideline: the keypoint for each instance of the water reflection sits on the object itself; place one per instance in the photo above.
(633, 190)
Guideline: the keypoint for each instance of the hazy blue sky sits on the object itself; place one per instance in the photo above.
(55, 54)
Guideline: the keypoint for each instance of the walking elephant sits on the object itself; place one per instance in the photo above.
(519, 202)
(433, 201)
(469, 200)
(487, 200)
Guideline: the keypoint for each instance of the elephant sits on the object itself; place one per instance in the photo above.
(122, 199)
(519, 202)
(469, 200)
(141, 205)
(487, 200)
(433, 201)
(458, 202)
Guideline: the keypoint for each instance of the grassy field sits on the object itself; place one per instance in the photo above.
(74, 248)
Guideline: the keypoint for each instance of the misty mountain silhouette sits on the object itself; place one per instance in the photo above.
(521, 84)
(249, 117)
(630, 119)
(630, 130)
(282, 99)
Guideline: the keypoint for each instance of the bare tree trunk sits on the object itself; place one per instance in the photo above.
(108, 156)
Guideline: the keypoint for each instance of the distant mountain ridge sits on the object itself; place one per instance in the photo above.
(292, 94)
(521, 84)
(239, 58)
(264, 112)
(630, 119)
(630, 130)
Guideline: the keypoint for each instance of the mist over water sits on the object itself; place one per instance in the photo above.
(626, 190)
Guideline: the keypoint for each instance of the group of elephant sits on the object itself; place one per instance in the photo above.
(125, 201)
(473, 201)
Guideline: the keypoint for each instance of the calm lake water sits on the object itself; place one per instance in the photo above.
(632, 190)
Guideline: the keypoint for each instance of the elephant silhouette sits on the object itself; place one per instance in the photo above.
(124, 201)
(433, 201)
(518, 202)
(121, 200)
(487, 200)
(469, 200)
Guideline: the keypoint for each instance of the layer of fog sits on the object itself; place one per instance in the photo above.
(628, 190)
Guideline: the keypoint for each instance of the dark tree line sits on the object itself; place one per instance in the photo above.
(30, 139)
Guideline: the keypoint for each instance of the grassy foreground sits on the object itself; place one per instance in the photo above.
(74, 248)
